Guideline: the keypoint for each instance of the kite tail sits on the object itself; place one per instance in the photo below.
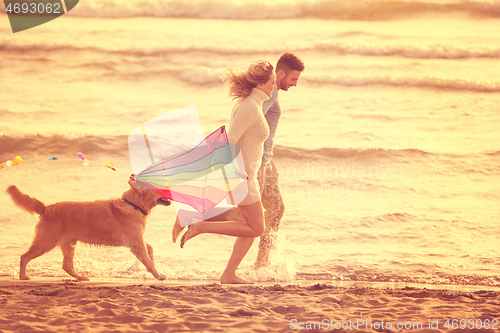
(25, 202)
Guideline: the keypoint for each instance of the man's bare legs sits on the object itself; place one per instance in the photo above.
(274, 210)
(262, 259)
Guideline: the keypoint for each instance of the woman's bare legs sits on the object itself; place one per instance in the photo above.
(240, 249)
(232, 214)
(245, 231)
(177, 229)
(252, 227)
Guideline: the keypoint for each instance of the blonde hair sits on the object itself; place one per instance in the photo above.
(241, 83)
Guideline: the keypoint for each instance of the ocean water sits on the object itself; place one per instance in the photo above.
(388, 148)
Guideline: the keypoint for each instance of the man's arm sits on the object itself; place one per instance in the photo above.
(272, 113)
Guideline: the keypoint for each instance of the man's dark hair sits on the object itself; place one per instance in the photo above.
(289, 62)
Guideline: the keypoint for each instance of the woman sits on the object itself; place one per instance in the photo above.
(248, 129)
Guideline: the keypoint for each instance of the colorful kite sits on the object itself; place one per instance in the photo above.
(201, 177)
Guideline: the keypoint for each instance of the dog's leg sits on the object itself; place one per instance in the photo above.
(150, 252)
(144, 256)
(43, 243)
(68, 250)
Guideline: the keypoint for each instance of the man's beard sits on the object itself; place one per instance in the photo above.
(283, 85)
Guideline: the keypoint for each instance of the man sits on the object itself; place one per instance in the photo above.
(288, 70)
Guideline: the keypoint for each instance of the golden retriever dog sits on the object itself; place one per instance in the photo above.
(112, 222)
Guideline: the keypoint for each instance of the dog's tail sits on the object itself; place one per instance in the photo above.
(24, 201)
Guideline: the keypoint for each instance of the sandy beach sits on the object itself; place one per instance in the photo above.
(50, 306)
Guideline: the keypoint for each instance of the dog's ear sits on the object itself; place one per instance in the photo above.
(134, 185)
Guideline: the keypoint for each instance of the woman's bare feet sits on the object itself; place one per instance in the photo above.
(233, 279)
(190, 233)
(176, 230)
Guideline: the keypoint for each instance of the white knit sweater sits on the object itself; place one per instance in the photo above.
(249, 129)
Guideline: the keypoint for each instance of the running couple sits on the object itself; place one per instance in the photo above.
(253, 123)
